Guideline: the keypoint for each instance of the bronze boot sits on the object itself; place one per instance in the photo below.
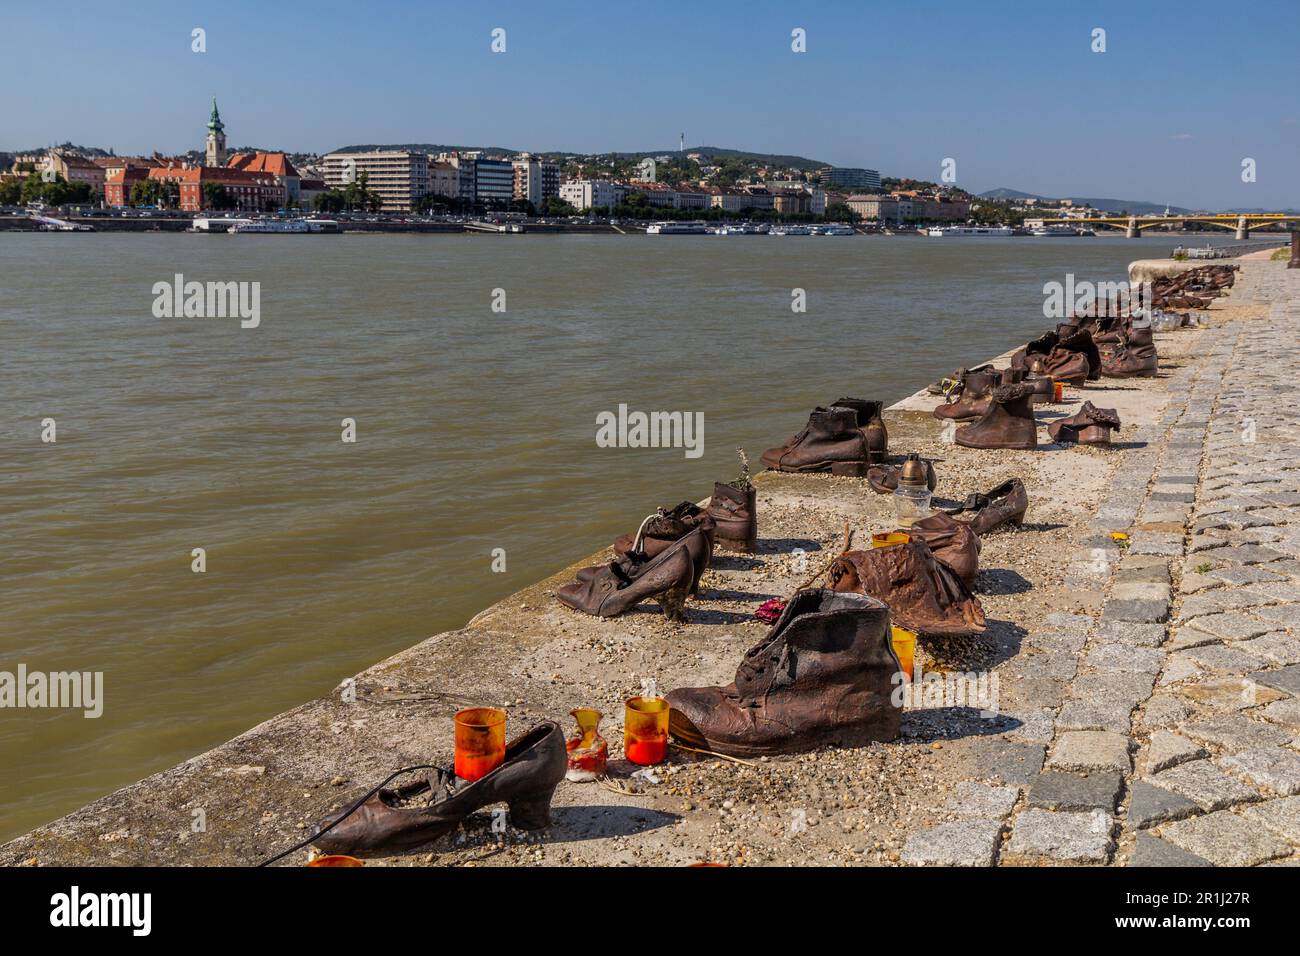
(831, 441)
(1009, 422)
(973, 398)
(872, 425)
(1005, 504)
(735, 515)
(824, 675)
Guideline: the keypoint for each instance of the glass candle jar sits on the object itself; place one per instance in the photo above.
(645, 730)
(480, 741)
(911, 503)
(588, 751)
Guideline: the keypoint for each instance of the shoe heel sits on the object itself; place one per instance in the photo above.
(850, 469)
(532, 811)
(673, 603)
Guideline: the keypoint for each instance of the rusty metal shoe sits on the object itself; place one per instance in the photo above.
(669, 578)
(872, 425)
(735, 515)
(1090, 426)
(972, 399)
(831, 441)
(534, 766)
(952, 542)
(923, 595)
(823, 675)
(951, 386)
(1031, 356)
(1009, 422)
(1066, 366)
(884, 478)
(1079, 341)
(661, 529)
(1044, 390)
(1005, 504)
(1130, 364)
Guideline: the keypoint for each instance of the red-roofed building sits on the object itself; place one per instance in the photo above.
(248, 191)
(274, 164)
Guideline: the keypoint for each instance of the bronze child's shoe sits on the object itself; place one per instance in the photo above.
(824, 675)
(1091, 426)
(670, 578)
(1009, 422)
(534, 766)
(1005, 504)
(831, 441)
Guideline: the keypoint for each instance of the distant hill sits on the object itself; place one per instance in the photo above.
(712, 152)
(1135, 206)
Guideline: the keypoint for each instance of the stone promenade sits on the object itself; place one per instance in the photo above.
(1171, 715)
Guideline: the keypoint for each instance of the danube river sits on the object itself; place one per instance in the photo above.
(474, 369)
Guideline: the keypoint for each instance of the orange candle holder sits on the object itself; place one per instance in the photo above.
(480, 741)
(887, 539)
(336, 860)
(645, 730)
(588, 751)
(905, 648)
(1058, 392)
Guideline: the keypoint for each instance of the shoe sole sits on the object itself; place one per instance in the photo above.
(842, 738)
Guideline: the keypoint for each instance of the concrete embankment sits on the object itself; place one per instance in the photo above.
(1076, 678)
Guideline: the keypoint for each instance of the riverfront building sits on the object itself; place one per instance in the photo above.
(535, 180)
(848, 177)
(400, 177)
(585, 193)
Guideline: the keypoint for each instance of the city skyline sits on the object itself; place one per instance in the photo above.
(1029, 106)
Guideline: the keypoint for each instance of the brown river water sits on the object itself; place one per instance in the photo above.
(475, 431)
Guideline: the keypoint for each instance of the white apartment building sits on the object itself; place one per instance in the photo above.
(399, 177)
(586, 193)
(535, 179)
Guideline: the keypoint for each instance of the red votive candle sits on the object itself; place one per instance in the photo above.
(645, 730)
(480, 741)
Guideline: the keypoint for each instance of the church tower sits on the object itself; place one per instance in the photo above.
(216, 153)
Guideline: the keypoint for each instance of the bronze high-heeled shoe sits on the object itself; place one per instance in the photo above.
(534, 766)
(670, 578)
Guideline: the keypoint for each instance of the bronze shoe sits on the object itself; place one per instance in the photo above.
(831, 441)
(534, 766)
(823, 675)
(1090, 426)
(923, 595)
(972, 399)
(952, 542)
(661, 529)
(735, 515)
(670, 578)
(1005, 504)
(1009, 422)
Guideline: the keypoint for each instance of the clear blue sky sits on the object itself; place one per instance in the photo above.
(1010, 90)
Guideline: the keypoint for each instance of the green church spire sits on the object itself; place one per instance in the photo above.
(214, 121)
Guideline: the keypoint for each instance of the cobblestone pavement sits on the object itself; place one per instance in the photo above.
(1172, 725)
